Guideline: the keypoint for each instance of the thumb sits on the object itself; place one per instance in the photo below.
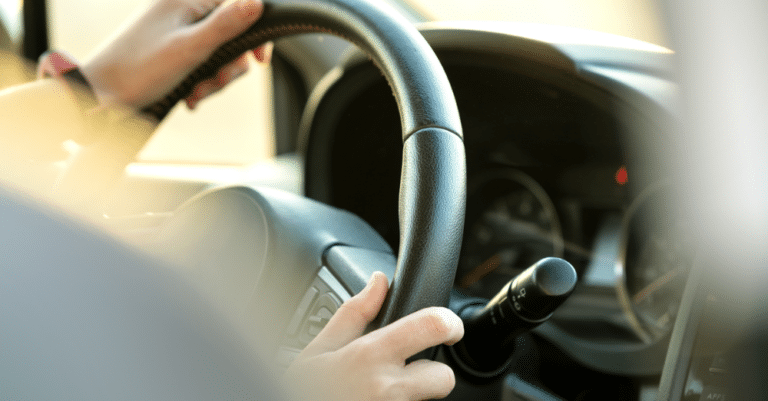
(350, 321)
(226, 22)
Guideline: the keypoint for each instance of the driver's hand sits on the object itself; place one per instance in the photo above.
(341, 365)
(156, 51)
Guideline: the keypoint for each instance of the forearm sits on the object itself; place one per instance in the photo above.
(36, 119)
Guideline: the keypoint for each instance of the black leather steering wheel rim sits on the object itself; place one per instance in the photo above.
(433, 178)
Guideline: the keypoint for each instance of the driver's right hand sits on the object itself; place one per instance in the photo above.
(343, 364)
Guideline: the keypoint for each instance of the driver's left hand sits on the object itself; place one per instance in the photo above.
(155, 52)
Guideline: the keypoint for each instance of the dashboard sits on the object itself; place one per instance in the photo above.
(551, 132)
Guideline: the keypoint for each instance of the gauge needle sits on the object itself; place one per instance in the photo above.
(480, 271)
(655, 285)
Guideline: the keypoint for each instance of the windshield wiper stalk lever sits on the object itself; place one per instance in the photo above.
(523, 303)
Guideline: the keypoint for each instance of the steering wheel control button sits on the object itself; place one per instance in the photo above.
(317, 322)
(321, 313)
(315, 308)
(522, 304)
(713, 394)
(301, 311)
(719, 365)
(331, 281)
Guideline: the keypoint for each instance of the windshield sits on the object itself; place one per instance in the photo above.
(638, 19)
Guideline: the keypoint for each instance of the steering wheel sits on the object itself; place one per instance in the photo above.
(432, 188)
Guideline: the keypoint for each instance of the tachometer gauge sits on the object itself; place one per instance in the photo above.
(653, 265)
(511, 224)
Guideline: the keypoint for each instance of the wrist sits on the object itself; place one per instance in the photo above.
(63, 67)
(99, 114)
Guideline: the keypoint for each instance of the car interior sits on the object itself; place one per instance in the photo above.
(460, 158)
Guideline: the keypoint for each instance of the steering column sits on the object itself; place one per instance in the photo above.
(491, 327)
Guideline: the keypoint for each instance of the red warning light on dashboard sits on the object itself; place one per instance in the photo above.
(621, 176)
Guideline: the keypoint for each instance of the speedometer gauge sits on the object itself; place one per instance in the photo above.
(511, 224)
(653, 265)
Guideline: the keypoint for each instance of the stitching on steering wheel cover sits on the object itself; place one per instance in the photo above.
(225, 54)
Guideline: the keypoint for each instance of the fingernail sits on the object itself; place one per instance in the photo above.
(378, 274)
(263, 53)
(371, 280)
(369, 285)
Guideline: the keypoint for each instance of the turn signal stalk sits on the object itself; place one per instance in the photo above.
(522, 304)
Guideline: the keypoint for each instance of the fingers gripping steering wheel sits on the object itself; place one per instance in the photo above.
(433, 177)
